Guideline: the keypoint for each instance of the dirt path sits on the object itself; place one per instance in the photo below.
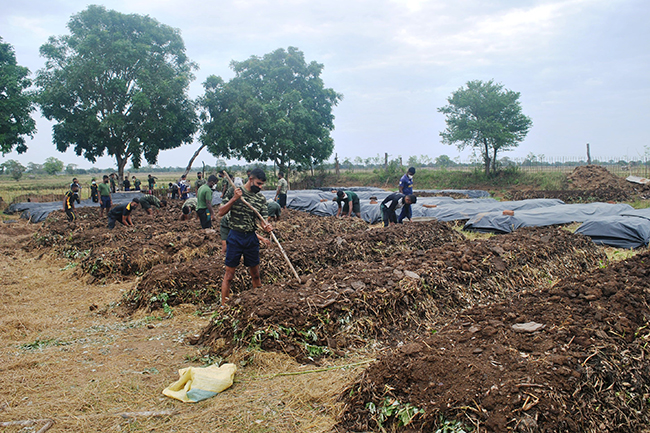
(66, 355)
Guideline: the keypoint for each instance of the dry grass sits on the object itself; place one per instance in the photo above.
(82, 368)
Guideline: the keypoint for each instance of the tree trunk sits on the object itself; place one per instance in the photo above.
(189, 164)
(121, 163)
(486, 158)
(494, 161)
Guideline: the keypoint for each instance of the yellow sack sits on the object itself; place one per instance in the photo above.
(196, 384)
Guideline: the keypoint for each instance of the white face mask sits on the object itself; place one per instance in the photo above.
(410, 176)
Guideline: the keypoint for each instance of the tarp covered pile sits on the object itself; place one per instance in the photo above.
(630, 229)
(37, 212)
(618, 225)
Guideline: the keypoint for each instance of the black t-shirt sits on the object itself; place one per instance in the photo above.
(394, 201)
(120, 210)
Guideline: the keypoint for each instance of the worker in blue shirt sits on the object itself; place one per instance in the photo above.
(406, 188)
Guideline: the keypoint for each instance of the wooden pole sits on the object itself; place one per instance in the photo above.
(227, 176)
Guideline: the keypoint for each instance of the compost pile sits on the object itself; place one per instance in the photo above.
(588, 184)
(606, 194)
(568, 358)
(125, 251)
(594, 177)
(311, 250)
(389, 297)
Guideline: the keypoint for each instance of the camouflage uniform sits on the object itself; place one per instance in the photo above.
(242, 218)
(147, 201)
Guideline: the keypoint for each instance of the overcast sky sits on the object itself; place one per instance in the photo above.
(582, 66)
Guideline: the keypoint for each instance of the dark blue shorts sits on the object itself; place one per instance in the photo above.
(105, 202)
(242, 244)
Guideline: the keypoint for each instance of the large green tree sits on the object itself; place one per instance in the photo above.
(487, 117)
(53, 165)
(276, 108)
(16, 102)
(117, 85)
(13, 168)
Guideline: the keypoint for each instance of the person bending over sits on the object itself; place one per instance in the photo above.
(393, 202)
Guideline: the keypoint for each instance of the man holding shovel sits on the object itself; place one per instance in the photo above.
(242, 239)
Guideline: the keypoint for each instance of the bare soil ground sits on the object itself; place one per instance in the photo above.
(410, 328)
(68, 354)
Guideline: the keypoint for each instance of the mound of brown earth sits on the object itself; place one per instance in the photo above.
(568, 358)
(592, 177)
(605, 194)
(587, 184)
(195, 281)
(161, 239)
(390, 297)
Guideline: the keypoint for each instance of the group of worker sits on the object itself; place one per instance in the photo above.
(349, 204)
(101, 192)
(243, 207)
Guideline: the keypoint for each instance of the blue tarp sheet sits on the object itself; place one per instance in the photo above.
(497, 222)
(618, 231)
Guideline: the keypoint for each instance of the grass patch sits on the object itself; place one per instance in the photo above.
(619, 254)
(39, 344)
(431, 178)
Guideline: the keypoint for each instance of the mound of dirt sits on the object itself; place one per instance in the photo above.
(592, 177)
(162, 239)
(195, 281)
(389, 297)
(604, 194)
(568, 358)
(588, 184)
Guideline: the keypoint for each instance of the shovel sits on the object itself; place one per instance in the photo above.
(262, 219)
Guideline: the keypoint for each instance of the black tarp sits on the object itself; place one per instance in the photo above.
(465, 209)
(470, 193)
(37, 212)
(368, 191)
(618, 231)
(629, 230)
(497, 222)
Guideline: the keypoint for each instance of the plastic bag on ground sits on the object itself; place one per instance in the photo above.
(197, 384)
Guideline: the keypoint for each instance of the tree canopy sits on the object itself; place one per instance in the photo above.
(487, 117)
(16, 102)
(13, 168)
(53, 165)
(117, 85)
(276, 108)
